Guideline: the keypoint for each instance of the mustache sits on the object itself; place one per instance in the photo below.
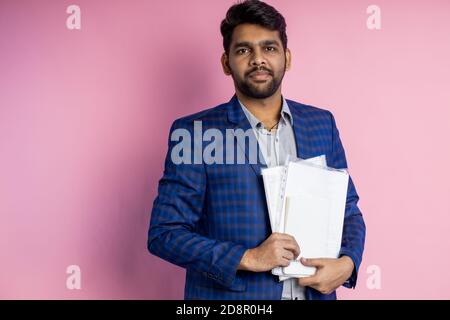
(259, 69)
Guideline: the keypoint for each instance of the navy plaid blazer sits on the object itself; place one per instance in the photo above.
(206, 215)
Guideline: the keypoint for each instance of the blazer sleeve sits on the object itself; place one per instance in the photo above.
(354, 231)
(176, 211)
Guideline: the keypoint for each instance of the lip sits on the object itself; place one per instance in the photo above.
(259, 75)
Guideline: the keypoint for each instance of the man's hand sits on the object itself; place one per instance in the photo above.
(275, 251)
(330, 274)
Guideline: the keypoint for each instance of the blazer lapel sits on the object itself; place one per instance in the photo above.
(303, 141)
(304, 144)
(239, 120)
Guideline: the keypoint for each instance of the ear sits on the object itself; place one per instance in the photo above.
(225, 64)
(288, 59)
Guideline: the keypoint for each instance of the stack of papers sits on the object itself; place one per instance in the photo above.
(307, 199)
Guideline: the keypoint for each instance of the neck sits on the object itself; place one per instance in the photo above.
(266, 110)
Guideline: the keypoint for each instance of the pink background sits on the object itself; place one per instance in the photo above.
(84, 117)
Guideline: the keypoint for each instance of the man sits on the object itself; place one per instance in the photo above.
(211, 217)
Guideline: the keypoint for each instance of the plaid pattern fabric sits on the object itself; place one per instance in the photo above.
(206, 215)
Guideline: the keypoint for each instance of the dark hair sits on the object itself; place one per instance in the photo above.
(254, 12)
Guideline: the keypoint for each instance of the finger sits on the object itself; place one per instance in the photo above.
(288, 255)
(284, 262)
(308, 281)
(312, 262)
(286, 236)
(292, 246)
(278, 235)
(297, 247)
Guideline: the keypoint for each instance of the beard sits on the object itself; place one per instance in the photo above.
(259, 90)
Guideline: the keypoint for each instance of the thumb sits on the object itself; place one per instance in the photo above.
(311, 262)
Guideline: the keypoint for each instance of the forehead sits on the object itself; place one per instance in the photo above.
(253, 33)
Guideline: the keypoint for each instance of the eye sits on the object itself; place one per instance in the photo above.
(241, 51)
(271, 48)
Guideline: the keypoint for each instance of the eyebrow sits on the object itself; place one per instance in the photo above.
(261, 43)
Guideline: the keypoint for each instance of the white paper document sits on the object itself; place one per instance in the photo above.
(306, 199)
(272, 182)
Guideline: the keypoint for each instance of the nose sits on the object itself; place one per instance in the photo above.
(257, 58)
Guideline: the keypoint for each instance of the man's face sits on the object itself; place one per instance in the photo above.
(256, 61)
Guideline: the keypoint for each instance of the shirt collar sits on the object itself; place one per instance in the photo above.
(254, 122)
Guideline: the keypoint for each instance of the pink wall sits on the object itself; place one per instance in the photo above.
(84, 117)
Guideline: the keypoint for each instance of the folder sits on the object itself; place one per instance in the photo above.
(272, 178)
(306, 199)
